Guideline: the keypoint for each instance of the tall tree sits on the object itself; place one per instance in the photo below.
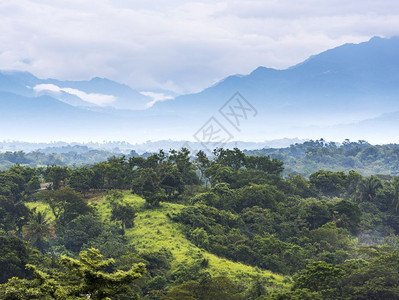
(81, 179)
(38, 229)
(369, 187)
(202, 162)
(55, 175)
(66, 204)
(125, 213)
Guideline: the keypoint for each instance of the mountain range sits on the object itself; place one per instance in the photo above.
(351, 91)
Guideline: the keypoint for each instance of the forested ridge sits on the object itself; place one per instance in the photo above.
(300, 158)
(176, 226)
(311, 156)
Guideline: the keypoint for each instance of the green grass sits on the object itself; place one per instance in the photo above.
(153, 231)
(42, 207)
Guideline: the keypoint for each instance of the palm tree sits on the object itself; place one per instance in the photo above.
(38, 229)
(368, 187)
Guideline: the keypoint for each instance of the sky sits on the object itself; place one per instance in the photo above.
(179, 46)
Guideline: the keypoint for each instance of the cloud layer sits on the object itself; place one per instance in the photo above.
(182, 46)
(93, 98)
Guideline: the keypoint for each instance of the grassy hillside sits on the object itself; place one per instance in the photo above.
(153, 231)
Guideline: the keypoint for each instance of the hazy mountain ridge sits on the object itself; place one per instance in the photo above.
(26, 84)
(346, 71)
(125, 147)
(351, 91)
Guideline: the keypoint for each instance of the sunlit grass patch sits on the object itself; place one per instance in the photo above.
(154, 230)
(42, 207)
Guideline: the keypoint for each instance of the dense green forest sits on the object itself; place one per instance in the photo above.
(230, 226)
(301, 158)
(74, 157)
(311, 156)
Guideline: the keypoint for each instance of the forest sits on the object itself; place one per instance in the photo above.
(311, 156)
(300, 158)
(231, 225)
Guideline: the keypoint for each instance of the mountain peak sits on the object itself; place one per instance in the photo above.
(262, 70)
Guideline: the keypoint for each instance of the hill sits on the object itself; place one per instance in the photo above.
(309, 157)
(225, 225)
(154, 231)
(302, 158)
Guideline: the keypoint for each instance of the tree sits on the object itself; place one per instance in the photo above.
(218, 173)
(90, 279)
(395, 196)
(14, 255)
(85, 278)
(202, 162)
(329, 183)
(265, 196)
(265, 164)
(234, 159)
(318, 276)
(33, 184)
(147, 185)
(13, 183)
(80, 231)
(372, 277)
(117, 173)
(81, 179)
(347, 214)
(125, 213)
(207, 288)
(13, 215)
(315, 212)
(120, 210)
(56, 174)
(331, 243)
(66, 204)
(185, 167)
(146, 182)
(369, 187)
(110, 243)
(171, 180)
(154, 199)
(301, 186)
(38, 229)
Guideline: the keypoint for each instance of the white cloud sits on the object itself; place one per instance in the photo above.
(47, 87)
(98, 99)
(156, 97)
(182, 46)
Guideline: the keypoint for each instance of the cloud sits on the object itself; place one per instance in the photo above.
(97, 99)
(156, 97)
(182, 46)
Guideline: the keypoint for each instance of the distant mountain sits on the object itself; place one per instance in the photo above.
(335, 80)
(347, 84)
(351, 91)
(95, 92)
(126, 148)
(125, 96)
(19, 83)
(44, 117)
